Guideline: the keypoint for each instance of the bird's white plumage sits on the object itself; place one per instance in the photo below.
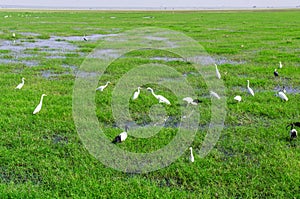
(123, 136)
(238, 98)
(217, 72)
(14, 35)
(21, 84)
(101, 88)
(214, 94)
(161, 99)
(282, 96)
(39, 106)
(192, 159)
(189, 100)
(136, 94)
(280, 64)
(250, 91)
(293, 133)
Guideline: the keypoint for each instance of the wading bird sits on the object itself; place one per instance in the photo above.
(276, 73)
(293, 134)
(280, 64)
(121, 137)
(190, 100)
(282, 96)
(14, 35)
(39, 106)
(191, 156)
(136, 94)
(214, 94)
(161, 99)
(250, 91)
(84, 38)
(21, 84)
(101, 88)
(238, 98)
(217, 72)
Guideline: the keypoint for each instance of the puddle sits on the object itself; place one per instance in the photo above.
(83, 74)
(48, 74)
(73, 68)
(105, 54)
(30, 63)
(289, 90)
(167, 59)
(56, 46)
(208, 60)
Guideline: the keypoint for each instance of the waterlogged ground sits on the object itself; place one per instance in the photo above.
(44, 156)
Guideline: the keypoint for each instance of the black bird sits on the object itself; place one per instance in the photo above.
(84, 38)
(276, 73)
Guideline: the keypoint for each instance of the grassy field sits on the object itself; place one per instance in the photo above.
(42, 155)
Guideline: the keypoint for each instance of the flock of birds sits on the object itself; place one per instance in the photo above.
(161, 99)
(39, 106)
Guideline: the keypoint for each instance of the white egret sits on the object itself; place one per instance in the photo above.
(276, 73)
(136, 94)
(101, 88)
(39, 106)
(190, 100)
(121, 137)
(238, 98)
(280, 64)
(191, 156)
(217, 72)
(250, 91)
(13, 35)
(282, 96)
(21, 84)
(214, 95)
(161, 99)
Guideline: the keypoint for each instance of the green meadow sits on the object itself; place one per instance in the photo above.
(43, 156)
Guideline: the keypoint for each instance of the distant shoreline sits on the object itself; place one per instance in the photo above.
(13, 7)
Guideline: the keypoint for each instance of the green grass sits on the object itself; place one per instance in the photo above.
(42, 155)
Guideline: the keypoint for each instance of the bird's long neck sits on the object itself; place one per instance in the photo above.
(191, 151)
(41, 101)
(248, 84)
(153, 93)
(23, 81)
(138, 89)
(106, 84)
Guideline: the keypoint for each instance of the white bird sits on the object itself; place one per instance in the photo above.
(190, 100)
(121, 137)
(280, 64)
(217, 72)
(39, 106)
(214, 94)
(293, 133)
(136, 94)
(238, 98)
(13, 35)
(161, 99)
(101, 88)
(250, 91)
(21, 84)
(191, 156)
(282, 96)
